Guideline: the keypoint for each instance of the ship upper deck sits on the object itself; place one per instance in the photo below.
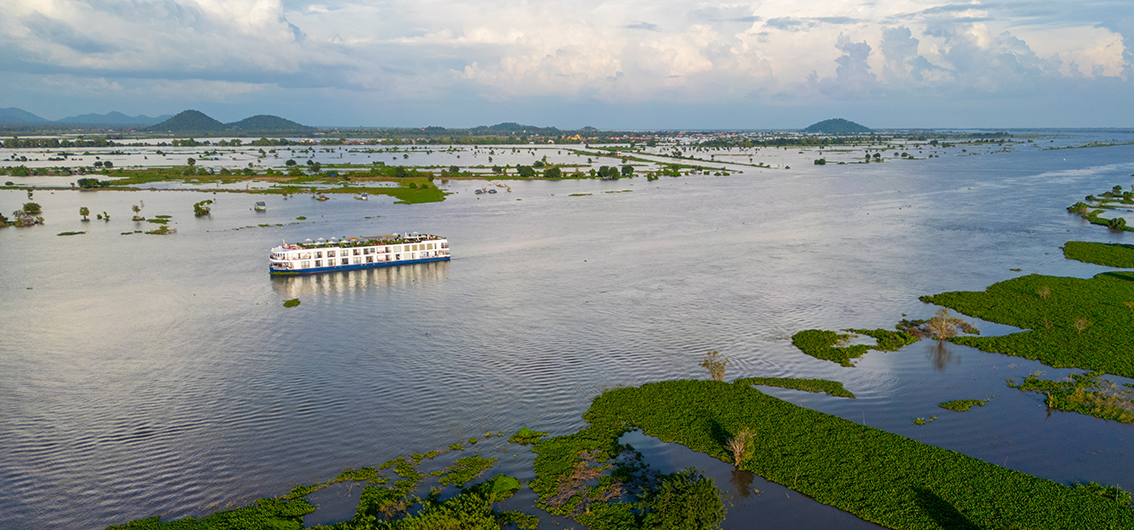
(354, 242)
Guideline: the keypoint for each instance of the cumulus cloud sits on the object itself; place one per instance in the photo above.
(853, 77)
(166, 37)
(903, 61)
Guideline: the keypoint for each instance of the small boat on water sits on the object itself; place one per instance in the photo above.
(356, 253)
(492, 190)
(261, 206)
(363, 197)
(321, 197)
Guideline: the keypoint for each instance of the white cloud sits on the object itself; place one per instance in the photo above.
(619, 51)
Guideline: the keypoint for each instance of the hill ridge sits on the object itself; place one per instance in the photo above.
(836, 126)
(198, 122)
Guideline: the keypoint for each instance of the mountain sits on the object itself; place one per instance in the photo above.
(189, 121)
(112, 118)
(265, 122)
(193, 121)
(836, 126)
(513, 128)
(14, 116)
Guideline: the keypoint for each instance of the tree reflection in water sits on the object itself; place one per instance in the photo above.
(941, 356)
(742, 481)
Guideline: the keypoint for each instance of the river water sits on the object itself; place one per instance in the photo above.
(144, 375)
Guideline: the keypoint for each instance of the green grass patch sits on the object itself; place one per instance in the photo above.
(526, 436)
(1085, 394)
(886, 340)
(366, 473)
(878, 476)
(1069, 322)
(579, 195)
(464, 470)
(407, 195)
(831, 388)
(69, 233)
(961, 405)
(160, 231)
(267, 514)
(1105, 254)
(831, 345)
(828, 345)
(158, 220)
(291, 303)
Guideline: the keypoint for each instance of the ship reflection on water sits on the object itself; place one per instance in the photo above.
(359, 279)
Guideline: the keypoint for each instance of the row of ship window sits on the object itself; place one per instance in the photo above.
(346, 261)
(358, 261)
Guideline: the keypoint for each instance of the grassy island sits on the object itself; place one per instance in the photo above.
(831, 388)
(1105, 254)
(1068, 322)
(961, 405)
(878, 476)
(1085, 394)
(832, 346)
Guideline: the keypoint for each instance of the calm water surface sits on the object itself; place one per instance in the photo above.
(144, 375)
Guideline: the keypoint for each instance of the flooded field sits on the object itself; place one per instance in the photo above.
(144, 375)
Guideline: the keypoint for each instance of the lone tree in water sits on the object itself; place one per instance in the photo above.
(944, 325)
(715, 365)
(202, 209)
(684, 500)
(738, 445)
(84, 211)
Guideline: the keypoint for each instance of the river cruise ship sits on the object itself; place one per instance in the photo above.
(350, 253)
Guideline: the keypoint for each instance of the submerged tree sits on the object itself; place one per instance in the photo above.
(944, 325)
(84, 211)
(715, 365)
(738, 445)
(1079, 207)
(202, 209)
(685, 500)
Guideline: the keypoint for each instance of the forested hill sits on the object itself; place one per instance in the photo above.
(189, 120)
(836, 126)
(193, 121)
(267, 122)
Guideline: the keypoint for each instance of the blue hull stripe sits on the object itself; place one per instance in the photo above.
(356, 266)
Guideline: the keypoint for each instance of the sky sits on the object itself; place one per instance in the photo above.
(620, 64)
